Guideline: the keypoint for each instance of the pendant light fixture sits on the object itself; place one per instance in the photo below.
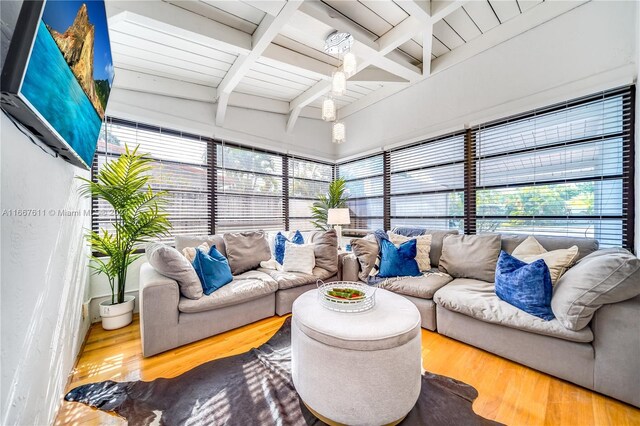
(339, 44)
(339, 83)
(328, 109)
(349, 64)
(338, 133)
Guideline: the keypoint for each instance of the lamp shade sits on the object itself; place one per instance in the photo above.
(338, 217)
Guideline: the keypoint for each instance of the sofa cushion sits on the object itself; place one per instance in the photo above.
(183, 241)
(245, 250)
(423, 248)
(299, 258)
(470, 256)
(423, 286)
(398, 261)
(558, 260)
(287, 280)
(325, 248)
(437, 236)
(212, 269)
(280, 244)
(366, 250)
(606, 276)
(190, 252)
(586, 246)
(478, 300)
(171, 263)
(244, 287)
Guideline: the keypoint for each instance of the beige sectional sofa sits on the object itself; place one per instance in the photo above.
(604, 356)
(169, 320)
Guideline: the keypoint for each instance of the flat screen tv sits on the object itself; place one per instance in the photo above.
(58, 74)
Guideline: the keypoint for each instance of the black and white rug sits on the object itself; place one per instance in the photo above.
(255, 388)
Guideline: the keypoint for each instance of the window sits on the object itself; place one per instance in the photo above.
(307, 180)
(559, 171)
(183, 173)
(365, 185)
(562, 170)
(249, 190)
(427, 184)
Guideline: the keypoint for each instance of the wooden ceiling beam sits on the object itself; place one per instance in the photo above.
(260, 41)
(166, 17)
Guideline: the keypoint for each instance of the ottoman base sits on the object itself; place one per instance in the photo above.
(356, 387)
(332, 423)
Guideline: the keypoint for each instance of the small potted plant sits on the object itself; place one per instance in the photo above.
(139, 216)
(336, 198)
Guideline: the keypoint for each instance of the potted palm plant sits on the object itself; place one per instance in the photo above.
(138, 217)
(336, 198)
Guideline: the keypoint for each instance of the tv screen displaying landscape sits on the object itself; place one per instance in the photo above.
(70, 72)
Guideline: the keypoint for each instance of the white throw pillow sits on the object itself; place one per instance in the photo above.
(190, 252)
(299, 258)
(558, 261)
(423, 248)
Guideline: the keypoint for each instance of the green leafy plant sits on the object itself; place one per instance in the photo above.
(334, 199)
(139, 216)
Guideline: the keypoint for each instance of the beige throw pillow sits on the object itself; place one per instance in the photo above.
(470, 256)
(423, 248)
(366, 250)
(558, 261)
(190, 252)
(245, 250)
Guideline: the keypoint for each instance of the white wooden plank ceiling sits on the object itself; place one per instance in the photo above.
(269, 54)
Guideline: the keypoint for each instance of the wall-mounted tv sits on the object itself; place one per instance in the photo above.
(58, 74)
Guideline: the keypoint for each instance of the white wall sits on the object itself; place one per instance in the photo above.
(588, 49)
(252, 127)
(44, 278)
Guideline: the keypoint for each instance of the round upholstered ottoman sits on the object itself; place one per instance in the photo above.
(357, 368)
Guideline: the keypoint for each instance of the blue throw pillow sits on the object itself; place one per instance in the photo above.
(297, 238)
(281, 240)
(526, 286)
(212, 269)
(398, 261)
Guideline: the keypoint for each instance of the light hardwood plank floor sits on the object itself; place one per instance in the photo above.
(509, 393)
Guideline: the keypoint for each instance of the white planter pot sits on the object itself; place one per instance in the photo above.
(118, 315)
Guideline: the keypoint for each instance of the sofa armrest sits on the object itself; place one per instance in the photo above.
(159, 297)
(350, 267)
(616, 344)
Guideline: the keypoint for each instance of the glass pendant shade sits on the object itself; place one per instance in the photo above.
(328, 110)
(338, 133)
(349, 64)
(339, 83)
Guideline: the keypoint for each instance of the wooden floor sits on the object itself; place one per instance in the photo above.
(509, 393)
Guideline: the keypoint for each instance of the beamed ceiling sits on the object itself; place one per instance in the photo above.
(268, 55)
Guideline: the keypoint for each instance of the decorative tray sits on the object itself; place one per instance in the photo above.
(346, 296)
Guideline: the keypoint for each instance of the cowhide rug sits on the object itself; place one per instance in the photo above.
(255, 388)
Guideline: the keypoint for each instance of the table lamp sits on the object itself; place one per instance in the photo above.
(338, 217)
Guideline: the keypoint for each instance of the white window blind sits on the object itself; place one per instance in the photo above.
(365, 185)
(307, 180)
(180, 167)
